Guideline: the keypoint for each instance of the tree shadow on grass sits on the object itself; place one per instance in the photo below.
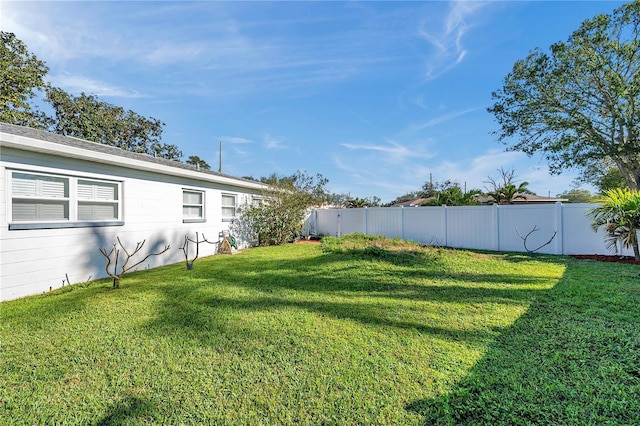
(52, 306)
(131, 410)
(201, 319)
(332, 287)
(331, 274)
(572, 359)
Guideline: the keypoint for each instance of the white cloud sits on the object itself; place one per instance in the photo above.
(172, 53)
(272, 143)
(475, 171)
(368, 176)
(235, 140)
(395, 149)
(440, 119)
(445, 37)
(392, 152)
(78, 84)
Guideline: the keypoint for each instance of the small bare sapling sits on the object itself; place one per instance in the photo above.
(113, 256)
(185, 248)
(524, 239)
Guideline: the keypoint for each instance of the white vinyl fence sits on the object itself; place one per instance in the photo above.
(474, 227)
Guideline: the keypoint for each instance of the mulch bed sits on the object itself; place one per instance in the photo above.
(607, 258)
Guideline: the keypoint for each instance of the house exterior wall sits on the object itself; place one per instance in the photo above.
(37, 260)
(474, 227)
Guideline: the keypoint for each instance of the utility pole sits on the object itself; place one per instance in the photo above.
(220, 168)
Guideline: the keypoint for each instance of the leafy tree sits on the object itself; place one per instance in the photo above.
(280, 217)
(604, 175)
(194, 160)
(87, 117)
(357, 202)
(21, 75)
(406, 197)
(619, 213)
(504, 190)
(611, 179)
(338, 200)
(451, 194)
(431, 188)
(579, 104)
(577, 196)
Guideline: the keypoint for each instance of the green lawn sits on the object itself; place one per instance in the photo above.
(356, 331)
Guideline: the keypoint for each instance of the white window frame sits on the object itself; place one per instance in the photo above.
(226, 217)
(39, 199)
(72, 199)
(97, 200)
(257, 201)
(201, 205)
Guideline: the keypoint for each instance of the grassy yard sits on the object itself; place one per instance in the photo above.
(356, 331)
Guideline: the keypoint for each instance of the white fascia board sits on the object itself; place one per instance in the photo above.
(36, 145)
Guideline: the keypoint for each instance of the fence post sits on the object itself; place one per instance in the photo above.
(366, 221)
(496, 226)
(315, 222)
(446, 226)
(559, 229)
(402, 221)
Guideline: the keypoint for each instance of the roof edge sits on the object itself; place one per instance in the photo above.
(29, 139)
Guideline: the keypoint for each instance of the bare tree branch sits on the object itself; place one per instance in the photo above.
(524, 239)
(197, 242)
(124, 268)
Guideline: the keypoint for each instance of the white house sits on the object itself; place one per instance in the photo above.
(62, 199)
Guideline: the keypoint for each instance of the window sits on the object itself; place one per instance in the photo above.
(228, 206)
(39, 197)
(97, 200)
(192, 205)
(46, 201)
(257, 201)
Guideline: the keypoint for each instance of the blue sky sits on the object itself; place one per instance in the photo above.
(375, 96)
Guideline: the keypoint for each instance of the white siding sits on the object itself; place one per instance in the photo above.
(35, 260)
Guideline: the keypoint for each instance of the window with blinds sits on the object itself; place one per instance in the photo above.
(97, 200)
(228, 206)
(192, 204)
(39, 197)
(48, 198)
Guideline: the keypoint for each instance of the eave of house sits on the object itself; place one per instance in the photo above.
(94, 152)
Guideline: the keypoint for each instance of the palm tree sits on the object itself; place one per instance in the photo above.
(619, 213)
(455, 197)
(506, 192)
(510, 192)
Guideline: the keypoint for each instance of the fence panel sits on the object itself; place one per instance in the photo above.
(353, 221)
(523, 219)
(425, 226)
(326, 222)
(578, 237)
(471, 227)
(385, 221)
